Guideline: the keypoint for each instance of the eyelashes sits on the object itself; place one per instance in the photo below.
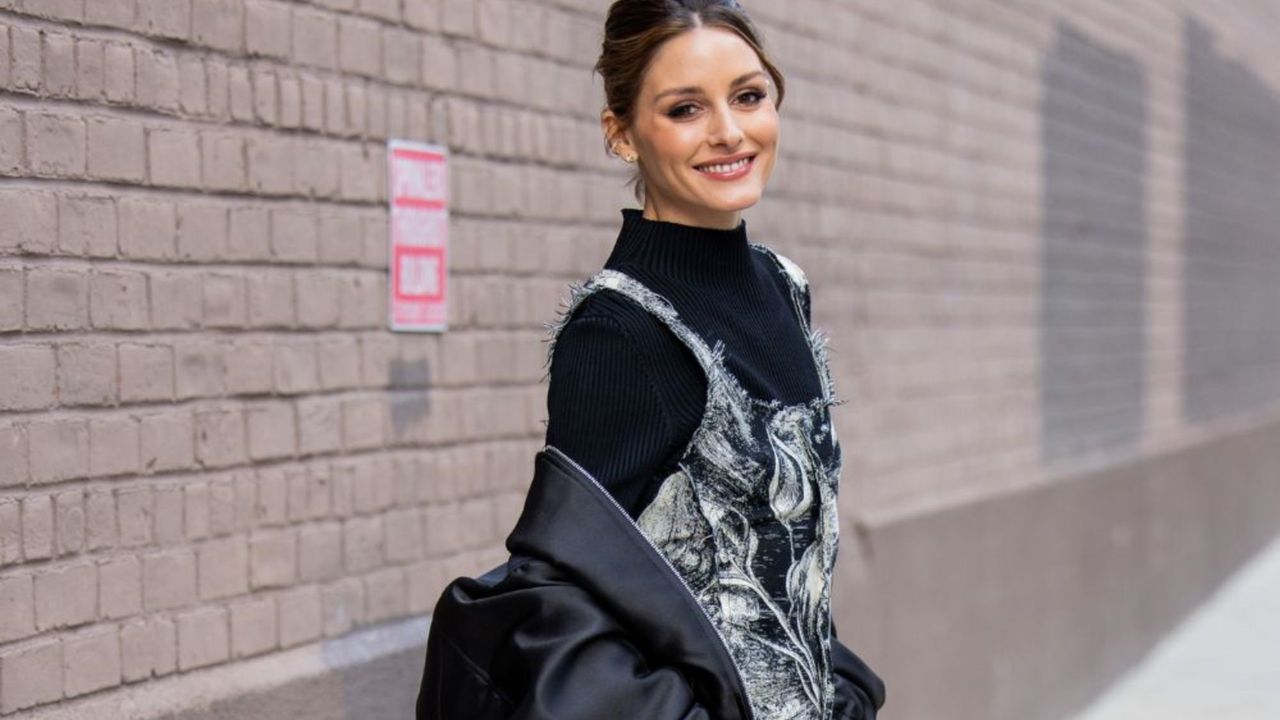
(677, 112)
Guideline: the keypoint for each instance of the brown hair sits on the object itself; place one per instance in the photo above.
(635, 29)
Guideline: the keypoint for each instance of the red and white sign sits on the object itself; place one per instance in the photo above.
(418, 179)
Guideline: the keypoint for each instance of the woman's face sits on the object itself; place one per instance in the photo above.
(704, 105)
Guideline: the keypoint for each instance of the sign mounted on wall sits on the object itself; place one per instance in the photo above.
(418, 184)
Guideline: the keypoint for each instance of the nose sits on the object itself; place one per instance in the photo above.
(724, 129)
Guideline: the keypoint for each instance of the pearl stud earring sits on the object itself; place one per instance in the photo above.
(629, 157)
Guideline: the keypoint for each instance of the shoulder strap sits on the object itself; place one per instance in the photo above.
(796, 281)
(655, 304)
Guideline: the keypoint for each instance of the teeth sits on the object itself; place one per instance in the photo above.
(722, 169)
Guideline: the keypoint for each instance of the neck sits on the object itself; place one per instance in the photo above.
(704, 255)
(713, 219)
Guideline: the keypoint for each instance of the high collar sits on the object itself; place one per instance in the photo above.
(571, 521)
(686, 252)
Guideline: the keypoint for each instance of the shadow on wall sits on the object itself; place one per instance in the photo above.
(1231, 273)
(409, 394)
(1027, 605)
(1093, 247)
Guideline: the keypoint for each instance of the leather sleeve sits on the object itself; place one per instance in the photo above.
(543, 649)
(860, 693)
(597, 676)
(578, 664)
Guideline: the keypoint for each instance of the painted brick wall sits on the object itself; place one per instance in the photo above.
(210, 447)
(1039, 236)
(1012, 213)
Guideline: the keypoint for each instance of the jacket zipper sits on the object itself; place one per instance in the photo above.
(560, 453)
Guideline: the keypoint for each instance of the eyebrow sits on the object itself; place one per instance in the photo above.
(694, 89)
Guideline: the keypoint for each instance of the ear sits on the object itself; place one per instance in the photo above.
(616, 137)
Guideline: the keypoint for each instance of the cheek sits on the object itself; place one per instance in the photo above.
(675, 145)
(679, 145)
(763, 128)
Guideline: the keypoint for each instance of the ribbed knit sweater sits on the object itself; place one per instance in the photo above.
(625, 395)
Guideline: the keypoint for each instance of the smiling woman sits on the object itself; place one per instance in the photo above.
(691, 100)
(674, 558)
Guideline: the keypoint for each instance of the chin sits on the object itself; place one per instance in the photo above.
(739, 201)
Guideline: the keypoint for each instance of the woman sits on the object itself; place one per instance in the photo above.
(675, 553)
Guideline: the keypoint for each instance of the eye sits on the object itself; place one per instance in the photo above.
(752, 97)
(677, 111)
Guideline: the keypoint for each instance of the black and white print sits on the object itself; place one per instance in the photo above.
(755, 490)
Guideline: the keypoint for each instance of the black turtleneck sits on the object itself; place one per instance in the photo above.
(625, 393)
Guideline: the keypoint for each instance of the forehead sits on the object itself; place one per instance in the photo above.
(708, 57)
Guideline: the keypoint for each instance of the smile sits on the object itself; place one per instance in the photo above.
(727, 171)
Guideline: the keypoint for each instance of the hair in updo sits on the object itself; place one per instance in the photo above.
(635, 29)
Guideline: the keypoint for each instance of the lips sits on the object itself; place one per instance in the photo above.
(733, 163)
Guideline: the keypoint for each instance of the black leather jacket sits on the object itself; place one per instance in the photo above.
(587, 621)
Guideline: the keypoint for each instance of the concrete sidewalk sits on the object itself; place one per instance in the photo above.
(1221, 663)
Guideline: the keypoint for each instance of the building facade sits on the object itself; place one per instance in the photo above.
(1040, 235)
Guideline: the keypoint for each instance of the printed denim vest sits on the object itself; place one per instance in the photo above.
(756, 475)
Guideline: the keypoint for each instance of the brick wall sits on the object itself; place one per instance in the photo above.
(210, 446)
(1040, 240)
